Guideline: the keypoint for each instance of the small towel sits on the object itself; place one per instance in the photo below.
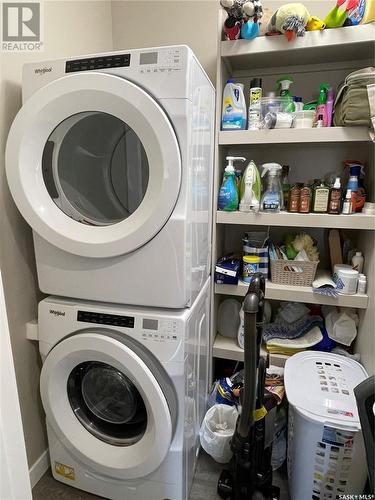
(294, 330)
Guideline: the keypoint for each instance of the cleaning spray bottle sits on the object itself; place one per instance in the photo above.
(228, 194)
(272, 199)
(283, 84)
(250, 189)
(321, 108)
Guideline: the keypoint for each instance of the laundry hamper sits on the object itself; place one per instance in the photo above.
(326, 455)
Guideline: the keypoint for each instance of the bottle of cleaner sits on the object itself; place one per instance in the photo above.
(228, 194)
(253, 120)
(335, 195)
(321, 107)
(250, 189)
(347, 205)
(357, 262)
(353, 186)
(272, 199)
(234, 107)
(284, 84)
(329, 106)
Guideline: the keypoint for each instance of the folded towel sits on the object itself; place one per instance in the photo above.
(293, 330)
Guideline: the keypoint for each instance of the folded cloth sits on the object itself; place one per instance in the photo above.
(291, 331)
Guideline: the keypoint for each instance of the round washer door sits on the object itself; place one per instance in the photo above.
(93, 164)
(116, 410)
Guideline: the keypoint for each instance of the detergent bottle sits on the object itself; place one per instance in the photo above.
(321, 107)
(228, 194)
(234, 107)
(272, 199)
(250, 189)
(284, 84)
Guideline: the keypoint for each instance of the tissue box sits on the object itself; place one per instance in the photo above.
(227, 270)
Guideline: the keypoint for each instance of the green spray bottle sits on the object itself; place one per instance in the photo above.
(283, 85)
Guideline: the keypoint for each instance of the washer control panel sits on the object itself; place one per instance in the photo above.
(105, 319)
(161, 61)
(115, 61)
(159, 330)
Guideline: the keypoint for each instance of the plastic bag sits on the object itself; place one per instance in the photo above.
(217, 430)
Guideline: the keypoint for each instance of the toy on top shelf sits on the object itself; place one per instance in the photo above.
(315, 24)
(250, 26)
(243, 18)
(289, 19)
(337, 17)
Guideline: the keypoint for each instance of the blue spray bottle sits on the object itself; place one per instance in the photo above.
(228, 194)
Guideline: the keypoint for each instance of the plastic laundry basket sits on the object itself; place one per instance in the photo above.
(326, 455)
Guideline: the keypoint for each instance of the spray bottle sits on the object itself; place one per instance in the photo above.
(283, 85)
(228, 194)
(250, 189)
(272, 199)
(321, 108)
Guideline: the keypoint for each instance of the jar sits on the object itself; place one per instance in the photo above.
(294, 198)
(348, 279)
(305, 203)
(250, 267)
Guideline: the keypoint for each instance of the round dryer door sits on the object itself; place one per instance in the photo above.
(93, 164)
(111, 400)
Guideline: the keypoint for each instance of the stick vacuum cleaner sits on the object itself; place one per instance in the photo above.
(251, 444)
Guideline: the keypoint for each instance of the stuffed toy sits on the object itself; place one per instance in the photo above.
(290, 19)
(252, 12)
(337, 17)
(315, 24)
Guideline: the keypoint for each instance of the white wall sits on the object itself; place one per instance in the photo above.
(150, 23)
(71, 28)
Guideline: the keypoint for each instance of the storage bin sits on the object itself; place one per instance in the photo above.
(326, 454)
(293, 272)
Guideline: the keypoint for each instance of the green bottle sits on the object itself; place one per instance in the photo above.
(283, 84)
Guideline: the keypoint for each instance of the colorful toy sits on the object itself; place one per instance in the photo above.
(252, 12)
(337, 17)
(315, 24)
(290, 19)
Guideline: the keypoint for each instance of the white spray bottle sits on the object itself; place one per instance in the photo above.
(272, 200)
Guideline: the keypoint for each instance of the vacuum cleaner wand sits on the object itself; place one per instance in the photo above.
(252, 476)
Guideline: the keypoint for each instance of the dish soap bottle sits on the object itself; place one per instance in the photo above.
(250, 189)
(272, 199)
(234, 107)
(228, 194)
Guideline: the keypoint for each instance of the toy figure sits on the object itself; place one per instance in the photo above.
(315, 24)
(252, 12)
(289, 19)
(337, 17)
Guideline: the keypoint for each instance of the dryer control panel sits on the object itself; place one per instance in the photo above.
(105, 319)
(115, 61)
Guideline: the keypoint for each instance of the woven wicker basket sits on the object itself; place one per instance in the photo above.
(282, 274)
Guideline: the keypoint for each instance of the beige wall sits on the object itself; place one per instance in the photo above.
(150, 23)
(71, 28)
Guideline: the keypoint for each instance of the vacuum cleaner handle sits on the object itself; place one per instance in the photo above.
(253, 315)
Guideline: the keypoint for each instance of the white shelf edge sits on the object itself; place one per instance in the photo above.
(293, 135)
(287, 219)
(227, 348)
(339, 37)
(296, 294)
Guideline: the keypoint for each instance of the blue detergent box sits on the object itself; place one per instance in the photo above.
(227, 270)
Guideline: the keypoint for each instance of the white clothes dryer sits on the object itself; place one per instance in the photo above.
(110, 161)
(124, 391)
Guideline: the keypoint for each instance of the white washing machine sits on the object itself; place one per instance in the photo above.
(110, 161)
(124, 393)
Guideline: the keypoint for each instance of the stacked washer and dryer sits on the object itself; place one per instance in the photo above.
(110, 161)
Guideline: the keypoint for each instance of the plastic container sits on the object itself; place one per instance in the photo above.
(217, 430)
(272, 106)
(357, 262)
(362, 284)
(234, 110)
(250, 267)
(326, 455)
(304, 119)
(347, 281)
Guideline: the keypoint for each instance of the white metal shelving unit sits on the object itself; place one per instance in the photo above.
(317, 57)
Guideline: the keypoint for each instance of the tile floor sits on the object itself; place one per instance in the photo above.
(204, 486)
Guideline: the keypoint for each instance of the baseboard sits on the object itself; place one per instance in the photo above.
(39, 468)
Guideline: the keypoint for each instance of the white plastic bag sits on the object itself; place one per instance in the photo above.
(217, 430)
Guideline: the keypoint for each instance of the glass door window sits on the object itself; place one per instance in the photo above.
(95, 168)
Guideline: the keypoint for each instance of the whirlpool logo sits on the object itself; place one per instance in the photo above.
(42, 71)
(56, 313)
